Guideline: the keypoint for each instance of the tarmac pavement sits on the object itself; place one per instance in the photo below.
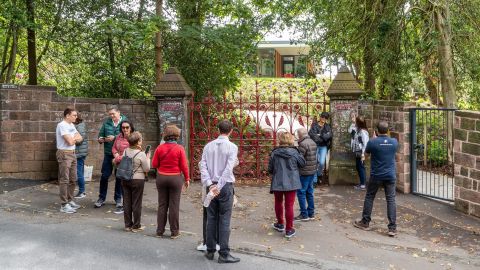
(431, 234)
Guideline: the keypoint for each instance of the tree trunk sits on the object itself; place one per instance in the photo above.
(31, 46)
(13, 54)
(369, 69)
(447, 75)
(445, 54)
(111, 55)
(158, 45)
(58, 16)
(431, 82)
(3, 66)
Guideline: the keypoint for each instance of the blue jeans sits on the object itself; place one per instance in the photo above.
(80, 178)
(306, 192)
(360, 170)
(321, 158)
(107, 168)
(372, 189)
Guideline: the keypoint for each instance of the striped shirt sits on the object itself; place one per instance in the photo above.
(219, 157)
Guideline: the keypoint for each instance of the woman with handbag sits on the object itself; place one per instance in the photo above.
(133, 189)
(170, 161)
(359, 133)
(119, 145)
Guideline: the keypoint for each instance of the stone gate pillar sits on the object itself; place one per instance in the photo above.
(173, 96)
(343, 93)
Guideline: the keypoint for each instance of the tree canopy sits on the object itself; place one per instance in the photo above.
(426, 50)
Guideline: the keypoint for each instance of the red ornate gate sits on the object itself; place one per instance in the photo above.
(257, 114)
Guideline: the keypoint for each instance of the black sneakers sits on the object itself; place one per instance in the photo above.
(290, 233)
(301, 218)
(279, 227)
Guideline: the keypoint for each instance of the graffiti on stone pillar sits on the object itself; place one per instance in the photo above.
(172, 112)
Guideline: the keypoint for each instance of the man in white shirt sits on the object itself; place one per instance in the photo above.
(219, 157)
(67, 135)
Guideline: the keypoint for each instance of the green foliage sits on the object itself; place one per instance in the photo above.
(431, 131)
(437, 153)
(105, 48)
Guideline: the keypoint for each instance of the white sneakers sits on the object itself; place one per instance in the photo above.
(70, 208)
(203, 247)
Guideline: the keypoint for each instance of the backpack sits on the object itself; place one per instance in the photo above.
(125, 168)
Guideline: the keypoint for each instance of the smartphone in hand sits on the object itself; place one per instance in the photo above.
(147, 149)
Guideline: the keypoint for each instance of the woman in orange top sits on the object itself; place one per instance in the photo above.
(170, 161)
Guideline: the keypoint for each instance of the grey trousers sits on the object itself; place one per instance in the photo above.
(219, 214)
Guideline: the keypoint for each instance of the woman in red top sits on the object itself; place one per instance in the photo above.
(170, 161)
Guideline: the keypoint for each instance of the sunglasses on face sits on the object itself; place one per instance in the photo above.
(125, 127)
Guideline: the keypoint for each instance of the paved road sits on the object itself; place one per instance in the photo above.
(49, 243)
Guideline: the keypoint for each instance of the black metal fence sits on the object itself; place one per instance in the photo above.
(431, 152)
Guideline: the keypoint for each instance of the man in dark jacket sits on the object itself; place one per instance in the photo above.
(322, 134)
(308, 148)
(109, 130)
(382, 174)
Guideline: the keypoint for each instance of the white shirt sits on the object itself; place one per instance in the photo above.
(219, 157)
(64, 128)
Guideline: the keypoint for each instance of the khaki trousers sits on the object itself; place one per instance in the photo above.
(67, 174)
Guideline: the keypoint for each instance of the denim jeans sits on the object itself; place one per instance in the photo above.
(80, 178)
(306, 192)
(360, 170)
(372, 189)
(107, 168)
(219, 214)
(321, 158)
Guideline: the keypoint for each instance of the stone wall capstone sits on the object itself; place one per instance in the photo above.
(29, 116)
(466, 155)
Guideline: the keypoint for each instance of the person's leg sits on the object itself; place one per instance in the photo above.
(72, 176)
(80, 177)
(162, 189)
(106, 172)
(391, 205)
(117, 197)
(309, 195)
(204, 225)
(225, 200)
(212, 224)
(137, 198)
(63, 171)
(174, 204)
(279, 207)
(127, 204)
(289, 201)
(372, 189)
(360, 165)
(301, 195)
(322, 158)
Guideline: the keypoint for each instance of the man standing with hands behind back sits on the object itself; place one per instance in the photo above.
(66, 137)
(110, 129)
(219, 157)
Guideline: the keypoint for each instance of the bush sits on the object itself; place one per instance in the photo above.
(437, 153)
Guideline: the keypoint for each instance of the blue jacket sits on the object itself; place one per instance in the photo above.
(382, 150)
(284, 166)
